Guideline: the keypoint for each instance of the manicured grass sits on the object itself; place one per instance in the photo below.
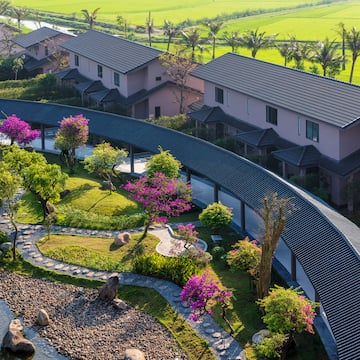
(97, 253)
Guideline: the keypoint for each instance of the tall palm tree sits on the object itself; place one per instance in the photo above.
(342, 32)
(192, 40)
(326, 54)
(232, 40)
(19, 13)
(170, 30)
(214, 28)
(90, 16)
(353, 42)
(149, 27)
(255, 40)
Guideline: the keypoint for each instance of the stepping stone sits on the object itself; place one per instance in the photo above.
(85, 271)
(76, 272)
(38, 259)
(66, 268)
(216, 335)
(26, 247)
(209, 330)
(222, 347)
(49, 264)
(59, 266)
(90, 274)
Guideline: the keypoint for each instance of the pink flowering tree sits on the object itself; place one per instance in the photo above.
(161, 197)
(18, 131)
(288, 312)
(188, 234)
(72, 133)
(201, 293)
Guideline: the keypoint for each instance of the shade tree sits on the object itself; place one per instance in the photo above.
(103, 161)
(18, 131)
(72, 133)
(161, 197)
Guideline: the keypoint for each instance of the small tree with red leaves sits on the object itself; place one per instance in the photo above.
(288, 312)
(72, 133)
(18, 131)
(201, 293)
(161, 197)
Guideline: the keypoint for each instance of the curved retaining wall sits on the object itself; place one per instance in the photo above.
(325, 243)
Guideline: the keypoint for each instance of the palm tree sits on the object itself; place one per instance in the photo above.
(285, 51)
(353, 42)
(342, 32)
(255, 40)
(298, 52)
(20, 14)
(326, 54)
(4, 7)
(149, 27)
(170, 30)
(122, 22)
(90, 17)
(214, 28)
(232, 40)
(193, 41)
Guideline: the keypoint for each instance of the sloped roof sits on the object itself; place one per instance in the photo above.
(31, 63)
(111, 51)
(71, 74)
(90, 86)
(326, 244)
(343, 167)
(107, 95)
(324, 99)
(36, 36)
(299, 156)
(209, 114)
(259, 138)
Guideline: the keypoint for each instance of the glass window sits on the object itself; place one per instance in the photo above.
(116, 79)
(100, 71)
(219, 95)
(312, 131)
(299, 125)
(271, 115)
(158, 78)
(76, 60)
(46, 51)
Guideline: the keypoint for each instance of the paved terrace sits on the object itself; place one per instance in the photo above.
(325, 243)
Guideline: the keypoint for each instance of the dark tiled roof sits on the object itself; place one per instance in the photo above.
(343, 167)
(113, 52)
(107, 95)
(197, 105)
(31, 64)
(299, 156)
(209, 114)
(326, 244)
(36, 36)
(331, 101)
(71, 74)
(259, 138)
(90, 86)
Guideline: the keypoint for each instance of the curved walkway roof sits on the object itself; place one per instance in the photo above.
(325, 243)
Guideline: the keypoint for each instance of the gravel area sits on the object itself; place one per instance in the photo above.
(83, 326)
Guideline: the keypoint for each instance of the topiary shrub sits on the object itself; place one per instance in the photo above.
(217, 252)
(176, 269)
(215, 216)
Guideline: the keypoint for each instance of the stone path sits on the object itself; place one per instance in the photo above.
(224, 346)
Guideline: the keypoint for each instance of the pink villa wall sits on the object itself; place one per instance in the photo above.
(291, 125)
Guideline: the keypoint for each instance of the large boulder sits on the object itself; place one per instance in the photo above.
(14, 339)
(43, 318)
(109, 290)
(64, 193)
(121, 239)
(6, 246)
(259, 337)
(108, 185)
(133, 354)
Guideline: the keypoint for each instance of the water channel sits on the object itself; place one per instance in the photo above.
(43, 350)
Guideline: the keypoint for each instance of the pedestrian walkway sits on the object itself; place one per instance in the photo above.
(224, 346)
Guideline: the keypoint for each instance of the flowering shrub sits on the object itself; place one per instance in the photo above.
(216, 216)
(201, 293)
(18, 130)
(160, 197)
(199, 256)
(245, 256)
(188, 234)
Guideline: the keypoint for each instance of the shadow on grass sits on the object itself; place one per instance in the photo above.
(137, 250)
(97, 202)
(77, 192)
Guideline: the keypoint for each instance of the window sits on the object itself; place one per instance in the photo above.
(219, 95)
(157, 112)
(271, 115)
(158, 78)
(248, 106)
(299, 125)
(100, 71)
(46, 51)
(76, 60)
(312, 131)
(116, 79)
